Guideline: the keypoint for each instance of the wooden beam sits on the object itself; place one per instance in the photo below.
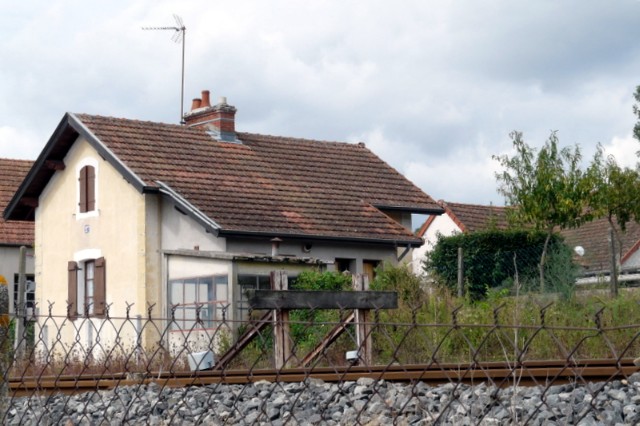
(331, 337)
(29, 201)
(310, 299)
(54, 164)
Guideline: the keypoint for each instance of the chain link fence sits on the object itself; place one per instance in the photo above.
(428, 364)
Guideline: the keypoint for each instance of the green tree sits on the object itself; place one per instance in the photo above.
(547, 189)
(614, 196)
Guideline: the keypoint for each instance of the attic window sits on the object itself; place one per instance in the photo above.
(87, 189)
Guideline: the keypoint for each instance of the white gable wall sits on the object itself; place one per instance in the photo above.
(441, 225)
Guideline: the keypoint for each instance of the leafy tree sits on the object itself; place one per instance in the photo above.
(614, 195)
(547, 189)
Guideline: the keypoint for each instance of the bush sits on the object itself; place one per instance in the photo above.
(493, 260)
(308, 327)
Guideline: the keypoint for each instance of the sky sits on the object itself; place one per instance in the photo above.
(432, 87)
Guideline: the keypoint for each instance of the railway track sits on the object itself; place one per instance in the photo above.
(529, 373)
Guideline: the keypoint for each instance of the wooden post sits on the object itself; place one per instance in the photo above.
(614, 264)
(460, 273)
(20, 340)
(5, 352)
(363, 320)
(4, 306)
(281, 335)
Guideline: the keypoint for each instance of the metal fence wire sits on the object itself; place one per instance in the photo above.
(420, 369)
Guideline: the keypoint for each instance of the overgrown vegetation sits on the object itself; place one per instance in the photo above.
(431, 324)
(308, 326)
(434, 325)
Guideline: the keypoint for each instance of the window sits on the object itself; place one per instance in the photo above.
(87, 189)
(369, 268)
(89, 282)
(345, 265)
(208, 293)
(87, 287)
(251, 282)
(257, 282)
(29, 291)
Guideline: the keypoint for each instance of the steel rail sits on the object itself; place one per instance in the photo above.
(528, 373)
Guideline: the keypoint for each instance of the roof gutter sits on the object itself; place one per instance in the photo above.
(189, 208)
(411, 209)
(407, 243)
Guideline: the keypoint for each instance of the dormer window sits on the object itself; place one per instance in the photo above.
(87, 188)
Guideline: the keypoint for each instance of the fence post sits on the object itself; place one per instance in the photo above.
(5, 352)
(460, 273)
(19, 342)
(362, 320)
(281, 335)
(138, 339)
(614, 264)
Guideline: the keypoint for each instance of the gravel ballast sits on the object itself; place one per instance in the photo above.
(315, 402)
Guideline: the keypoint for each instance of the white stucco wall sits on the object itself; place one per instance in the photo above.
(633, 261)
(441, 225)
(181, 232)
(115, 231)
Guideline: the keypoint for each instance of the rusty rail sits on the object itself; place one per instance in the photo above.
(529, 373)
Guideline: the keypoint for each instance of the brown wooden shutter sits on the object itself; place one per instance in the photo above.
(99, 287)
(83, 189)
(91, 188)
(72, 289)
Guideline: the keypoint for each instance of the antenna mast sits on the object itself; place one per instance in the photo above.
(180, 33)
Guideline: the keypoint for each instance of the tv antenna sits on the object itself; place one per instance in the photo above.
(178, 36)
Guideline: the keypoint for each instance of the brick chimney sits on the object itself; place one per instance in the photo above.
(218, 120)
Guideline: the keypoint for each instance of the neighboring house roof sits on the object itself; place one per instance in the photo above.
(12, 173)
(266, 185)
(593, 237)
(471, 217)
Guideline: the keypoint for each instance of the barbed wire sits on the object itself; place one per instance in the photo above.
(150, 369)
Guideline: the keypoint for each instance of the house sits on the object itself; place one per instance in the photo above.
(457, 218)
(14, 234)
(186, 217)
(591, 242)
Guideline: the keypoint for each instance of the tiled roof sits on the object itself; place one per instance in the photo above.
(594, 238)
(266, 184)
(474, 217)
(12, 232)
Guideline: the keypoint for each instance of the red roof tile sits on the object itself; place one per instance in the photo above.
(267, 184)
(12, 232)
(475, 217)
(594, 238)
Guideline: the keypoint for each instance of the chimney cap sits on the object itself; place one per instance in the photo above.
(205, 99)
(195, 104)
